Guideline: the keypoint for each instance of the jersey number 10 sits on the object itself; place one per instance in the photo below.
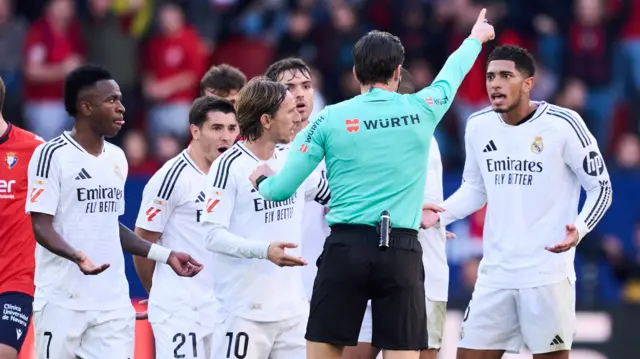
(240, 347)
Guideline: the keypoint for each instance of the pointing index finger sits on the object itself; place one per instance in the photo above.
(481, 16)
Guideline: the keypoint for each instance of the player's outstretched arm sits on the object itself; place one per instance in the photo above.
(181, 263)
(471, 195)
(582, 155)
(144, 266)
(47, 237)
(438, 96)
(306, 153)
(43, 201)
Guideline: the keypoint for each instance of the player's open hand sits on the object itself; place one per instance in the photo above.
(183, 264)
(87, 266)
(143, 315)
(450, 235)
(482, 30)
(262, 170)
(570, 240)
(430, 216)
(276, 253)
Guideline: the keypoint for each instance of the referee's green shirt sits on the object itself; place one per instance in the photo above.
(376, 147)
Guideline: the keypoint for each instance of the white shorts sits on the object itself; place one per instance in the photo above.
(436, 312)
(241, 338)
(178, 337)
(542, 318)
(66, 334)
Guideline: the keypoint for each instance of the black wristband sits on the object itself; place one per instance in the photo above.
(259, 180)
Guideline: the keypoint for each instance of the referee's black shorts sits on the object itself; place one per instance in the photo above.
(351, 270)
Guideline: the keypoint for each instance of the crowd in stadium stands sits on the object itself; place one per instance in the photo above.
(588, 54)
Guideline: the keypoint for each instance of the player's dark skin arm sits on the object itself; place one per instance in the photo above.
(47, 237)
(145, 267)
(133, 243)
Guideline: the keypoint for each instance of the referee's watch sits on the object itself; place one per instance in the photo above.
(259, 180)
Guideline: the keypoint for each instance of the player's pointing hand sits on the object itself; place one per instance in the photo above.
(276, 253)
(570, 240)
(183, 264)
(87, 266)
(482, 30)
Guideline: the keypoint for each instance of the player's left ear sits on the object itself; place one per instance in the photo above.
(528, 83)
(195, 132)
(265, 120)
(84, 107)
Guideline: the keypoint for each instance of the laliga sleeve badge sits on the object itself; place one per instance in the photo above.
(11, 159)
(537, 146)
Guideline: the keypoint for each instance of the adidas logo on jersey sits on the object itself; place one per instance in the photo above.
(556, 341)
(490, 147)
(200, 198)
(83, 174)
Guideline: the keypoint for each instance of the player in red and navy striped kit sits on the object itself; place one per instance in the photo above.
(17, 242)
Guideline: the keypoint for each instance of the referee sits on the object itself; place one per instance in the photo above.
(376, 147)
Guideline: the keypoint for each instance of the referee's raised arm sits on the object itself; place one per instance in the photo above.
(376, 148)
(438, 96)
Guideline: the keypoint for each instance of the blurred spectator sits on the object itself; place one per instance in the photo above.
(335, 41)
(12, 34)
(223, 81)
(573, 96)
(625, 266)
(296, 40)
(168, 147)
(628, 153)
(173, 64)
(53, 48)
(590, 57)
(136, 149)
(110, 44)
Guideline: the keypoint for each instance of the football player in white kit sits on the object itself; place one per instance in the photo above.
(436, 269)
(527, 160)
(82, 308)
(264, 308)
(296, 75)
(181, 311)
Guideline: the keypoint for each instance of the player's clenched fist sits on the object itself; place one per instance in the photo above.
(183, 264)
(482, 30)
(276, 253)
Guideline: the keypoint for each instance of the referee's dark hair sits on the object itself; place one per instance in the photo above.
(523, 60)
(78, 80)
(293, 64)
(222, 79)
(376, 56)
(259, 97)
(205, 104)
(406, 85)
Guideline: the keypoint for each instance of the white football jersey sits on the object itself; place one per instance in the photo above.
(315, 231)
(172, 204)
(530, 175)
(434, 240)
(256, 289)
(85, 195)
